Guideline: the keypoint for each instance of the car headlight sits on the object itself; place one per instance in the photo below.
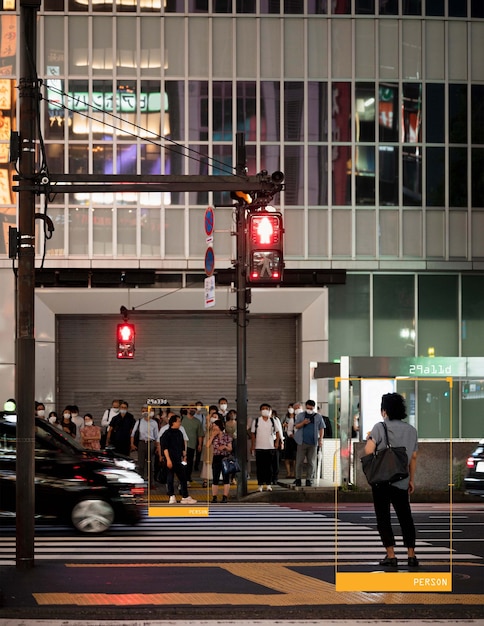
(119, 475)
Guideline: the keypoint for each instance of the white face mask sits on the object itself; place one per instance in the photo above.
(297, 411)
(213, 419)
(290, 410)
(75, 414)
(152, 413)
(309, 411)
(266, 413)
(88, 422)
(66, 415)
(41, 412)
(223, 407)
(123, 411)
(52, 419)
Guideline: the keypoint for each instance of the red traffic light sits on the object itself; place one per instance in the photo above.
(265, 230)
(125, 341)
(265, 248)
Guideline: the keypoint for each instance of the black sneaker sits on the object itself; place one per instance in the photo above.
(214, 499)
(389, 561)
(413, 561)
(297, 482)
(309, 483)
(224, 499)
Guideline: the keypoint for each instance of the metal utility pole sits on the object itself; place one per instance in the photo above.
(25, 342)
(241, 321)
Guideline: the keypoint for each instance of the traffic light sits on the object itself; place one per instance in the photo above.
(265, 248)
(125, 341)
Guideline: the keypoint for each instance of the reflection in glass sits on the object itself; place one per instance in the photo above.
(435, 177)
(458, 177)
(472, 318)
(340, 132)
(198, 110)
(388, 112)
(458, 113)
(365, 7)
(150, 231)
(317, 175)
(365, 111)
(412, 7)
(477, 179)
(198, 165)
(126, 159)
(365, 174)
(412, 176)
(222, 111)
(388, 156)
(393, 315)
(102, 231)
(294, 111)
(294, 175)
(55, 246)
(222, 164)
(438, 315)
(270, 110)
(317, 111)
(412, 112)
(435, 118)
(388, 7)
(477, 114)
(247, 109)
(150, 158)
(126, 232)
(78, 231)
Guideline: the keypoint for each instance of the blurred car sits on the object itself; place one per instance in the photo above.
(87, 488)
(474, 479)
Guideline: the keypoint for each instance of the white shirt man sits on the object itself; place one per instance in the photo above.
(265, 437)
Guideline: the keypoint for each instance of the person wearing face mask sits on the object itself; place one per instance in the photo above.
(67, 424)
(90, 434)
(40, 410)
(265, 437)
(106, 420)
(53, 418)
(308, 434)
(144, 438)
(194, 430)
(223, 407)
(290, 445)
(119, 430)
(77, 420)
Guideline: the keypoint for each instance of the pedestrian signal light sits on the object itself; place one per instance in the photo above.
(265, 248)
(125, 341)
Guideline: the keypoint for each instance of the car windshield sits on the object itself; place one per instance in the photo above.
(55, 439)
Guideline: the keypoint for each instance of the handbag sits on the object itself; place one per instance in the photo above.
(230, 465)
(386, 466)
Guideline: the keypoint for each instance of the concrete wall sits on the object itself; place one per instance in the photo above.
(434, 462)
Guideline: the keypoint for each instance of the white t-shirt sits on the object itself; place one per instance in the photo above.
(265, 433)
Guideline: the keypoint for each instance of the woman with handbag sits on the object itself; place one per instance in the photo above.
(397, 493)
(222, 447)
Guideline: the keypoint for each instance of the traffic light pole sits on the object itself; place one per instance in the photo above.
(241, 321)
(25, 341)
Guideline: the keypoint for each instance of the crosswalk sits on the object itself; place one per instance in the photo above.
(235, 532)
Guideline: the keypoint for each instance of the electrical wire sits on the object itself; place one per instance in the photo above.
(177, 147)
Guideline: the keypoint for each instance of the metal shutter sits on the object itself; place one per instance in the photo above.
(180, 357)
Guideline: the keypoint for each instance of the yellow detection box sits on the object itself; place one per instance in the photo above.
(394, 581)
(178, 511)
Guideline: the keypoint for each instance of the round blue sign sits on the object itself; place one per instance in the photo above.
(209, 261)
(209, 221)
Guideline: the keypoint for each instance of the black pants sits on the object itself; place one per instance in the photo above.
(382, 498)
(190, 458)
(263, 463)
(217, 470)
(180, 471)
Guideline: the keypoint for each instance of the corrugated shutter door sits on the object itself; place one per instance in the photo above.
(180, 357)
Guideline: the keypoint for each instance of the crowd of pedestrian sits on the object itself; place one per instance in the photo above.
(196, 438)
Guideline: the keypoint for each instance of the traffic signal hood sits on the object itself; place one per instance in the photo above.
(125, 341)
(265, 248)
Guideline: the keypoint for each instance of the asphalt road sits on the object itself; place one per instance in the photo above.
(249, 563)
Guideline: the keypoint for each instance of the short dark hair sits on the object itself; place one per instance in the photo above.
(265, 404)
(222, 398)
(173, 419)
(394, 405)
(220, 424)
(310, 403)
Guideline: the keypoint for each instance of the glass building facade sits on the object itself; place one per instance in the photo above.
(373, 109)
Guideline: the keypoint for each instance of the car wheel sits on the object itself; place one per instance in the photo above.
(92, 516)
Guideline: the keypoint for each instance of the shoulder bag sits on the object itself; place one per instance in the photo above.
(386, 466)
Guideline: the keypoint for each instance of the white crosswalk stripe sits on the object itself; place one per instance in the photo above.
(246, 532)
